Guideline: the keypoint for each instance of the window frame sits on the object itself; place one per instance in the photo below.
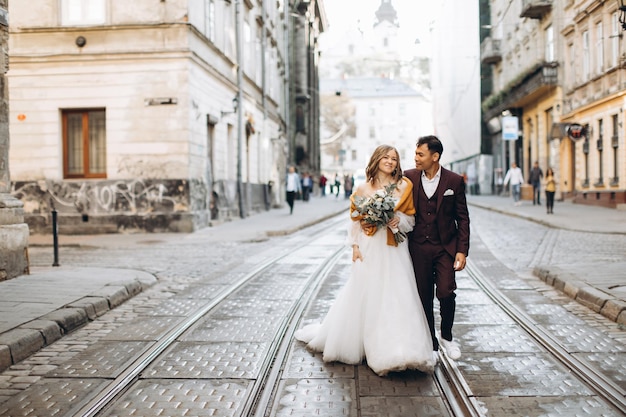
(84, 19)
(85, 141)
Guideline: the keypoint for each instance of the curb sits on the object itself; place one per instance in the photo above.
(23, 341)
(610, 307)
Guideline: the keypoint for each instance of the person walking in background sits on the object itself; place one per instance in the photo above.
(439, 243)
(307, 184)
(550, 190)
(337, 185)
(348, 181)
(323, 181)
(536, 174)
(377, 315)
(293, 187)
(516, 178)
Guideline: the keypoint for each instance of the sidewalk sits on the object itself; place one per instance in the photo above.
(603, 290)
(37, 309)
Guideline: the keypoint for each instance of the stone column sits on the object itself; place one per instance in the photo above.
(13, 230)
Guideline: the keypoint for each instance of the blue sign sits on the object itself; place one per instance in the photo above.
(510, 128)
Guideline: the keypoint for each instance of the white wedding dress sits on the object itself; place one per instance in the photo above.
(377, 315)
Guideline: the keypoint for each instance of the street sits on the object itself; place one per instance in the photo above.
(509, 365)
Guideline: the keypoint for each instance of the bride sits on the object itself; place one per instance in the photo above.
(377, 315)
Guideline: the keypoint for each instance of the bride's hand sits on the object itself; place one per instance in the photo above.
(393, 223)
(356, 253)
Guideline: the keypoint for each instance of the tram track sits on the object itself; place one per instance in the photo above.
(264, 385)
(603, 386)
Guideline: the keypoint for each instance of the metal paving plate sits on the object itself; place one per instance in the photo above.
(610, 364)
(103, 360)
(143, 328)
(552, 314)
(316, 397)
(197, 398)
(525, 297)
(216, 328)
(402, 407)
(585, 339)
(481, 314)
(199, 291)
(281, 291)
(175, 306)
(547, 406)
(519, 374)
(303, 363)
(472, 297)
(246, 307)
(56, 396)
(488, 338)
(209, 360)
(395, 384)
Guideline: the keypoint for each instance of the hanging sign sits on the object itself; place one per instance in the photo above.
(510, 128)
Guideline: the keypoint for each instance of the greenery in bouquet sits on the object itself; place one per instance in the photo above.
(378, 209)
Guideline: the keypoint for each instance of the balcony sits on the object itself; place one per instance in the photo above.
(526, 87)
(490, 52)
(536, 9)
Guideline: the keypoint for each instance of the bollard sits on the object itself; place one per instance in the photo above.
(55, 237)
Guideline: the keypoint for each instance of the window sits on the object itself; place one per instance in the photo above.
(209, 16)
(599, 146)
(586, 58)
(615, 34)
(599, 48)
(83, 12)
(615, 145)
(84, 143)
(549, 44)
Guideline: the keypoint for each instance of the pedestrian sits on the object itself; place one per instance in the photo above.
(307, 184)
(550, 190)
(348, 181)
(377, 315)
(322, 183)
(337, 185)
(534, 179)
(439, 243)
(293, 187)
(516, 178)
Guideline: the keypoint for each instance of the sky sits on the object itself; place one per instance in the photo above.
(414, 17)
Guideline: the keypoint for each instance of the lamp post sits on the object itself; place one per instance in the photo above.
(622, 13)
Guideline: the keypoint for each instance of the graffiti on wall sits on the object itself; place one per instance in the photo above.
(136, 196)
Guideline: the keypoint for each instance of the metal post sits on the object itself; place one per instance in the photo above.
(238, 41)
(55, 237)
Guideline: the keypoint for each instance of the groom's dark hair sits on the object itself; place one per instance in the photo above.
(433, 143)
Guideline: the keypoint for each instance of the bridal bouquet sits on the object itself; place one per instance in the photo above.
(377, 210)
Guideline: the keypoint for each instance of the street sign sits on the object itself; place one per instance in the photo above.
(510, 128)
(576, 131)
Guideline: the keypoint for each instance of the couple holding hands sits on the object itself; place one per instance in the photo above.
(384, 313)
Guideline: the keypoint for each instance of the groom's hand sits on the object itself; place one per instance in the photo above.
(459, 261)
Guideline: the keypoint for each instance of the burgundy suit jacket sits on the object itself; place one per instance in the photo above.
(452, 218)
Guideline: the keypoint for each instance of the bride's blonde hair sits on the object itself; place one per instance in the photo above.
(372, 167)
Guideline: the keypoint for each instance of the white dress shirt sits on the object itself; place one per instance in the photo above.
(430, 185)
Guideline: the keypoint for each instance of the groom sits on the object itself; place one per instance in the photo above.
(439, 243)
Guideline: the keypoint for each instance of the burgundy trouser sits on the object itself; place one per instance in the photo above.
(434, 266)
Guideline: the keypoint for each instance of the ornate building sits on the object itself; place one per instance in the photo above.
(159, 116)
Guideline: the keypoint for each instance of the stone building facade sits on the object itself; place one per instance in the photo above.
(556, 65)
(159, 116)
(13, 230)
